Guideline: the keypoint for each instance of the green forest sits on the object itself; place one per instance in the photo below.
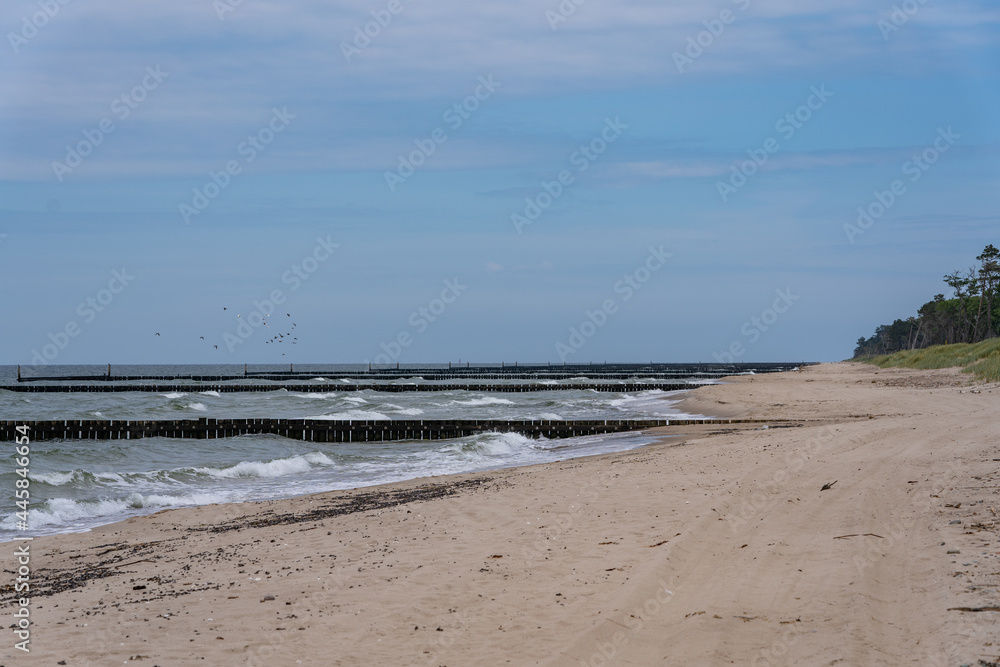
(970, 315)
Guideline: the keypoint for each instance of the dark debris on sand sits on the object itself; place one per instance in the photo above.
(349, 504)
(114, 559)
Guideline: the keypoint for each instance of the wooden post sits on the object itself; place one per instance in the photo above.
(109, 371)
(244, 370)
(19, 372)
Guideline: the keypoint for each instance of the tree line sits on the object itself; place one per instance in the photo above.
(971, 315)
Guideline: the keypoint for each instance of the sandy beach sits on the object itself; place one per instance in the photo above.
(714, 546)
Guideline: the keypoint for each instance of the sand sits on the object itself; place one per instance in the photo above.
(715, 546)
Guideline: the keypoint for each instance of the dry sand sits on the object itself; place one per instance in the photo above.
(713, 548)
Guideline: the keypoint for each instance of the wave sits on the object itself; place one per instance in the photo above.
(275, 468)
(200, 407)
(350, 415)
(174, 394)
(211, 393)
(491, 444)
(61, 511)
(485, 400)
(81, 478)
(53, 478)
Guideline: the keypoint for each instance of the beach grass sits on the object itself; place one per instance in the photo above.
(982, 359)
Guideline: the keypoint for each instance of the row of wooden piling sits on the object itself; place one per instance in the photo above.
(515, 372)
(321, 430)
(369, 386)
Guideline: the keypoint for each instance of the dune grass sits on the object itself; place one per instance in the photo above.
(982, 359)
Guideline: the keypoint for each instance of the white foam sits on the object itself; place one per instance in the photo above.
(200, 407)
(408, 411)
(211, 393)
(492, 444)
(486, 400)
(53, 478)
(350, 415)
(275, 468)
(550, 415)
(174, 394)
(60, 511)
(97, 413)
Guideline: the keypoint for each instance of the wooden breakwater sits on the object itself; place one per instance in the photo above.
(384, 377)
(331, 387)
(479, 372)
(322, 430)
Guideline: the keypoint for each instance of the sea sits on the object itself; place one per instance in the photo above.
(76, 485)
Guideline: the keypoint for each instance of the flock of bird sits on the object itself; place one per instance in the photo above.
(279, 338)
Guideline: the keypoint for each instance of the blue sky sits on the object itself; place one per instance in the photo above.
(163, 98)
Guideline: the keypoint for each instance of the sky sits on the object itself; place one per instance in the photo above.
(397, 181)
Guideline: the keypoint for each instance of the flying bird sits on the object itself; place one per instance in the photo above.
(157, 333)
(201, 337)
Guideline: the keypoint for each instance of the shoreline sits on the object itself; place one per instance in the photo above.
(701, 549)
